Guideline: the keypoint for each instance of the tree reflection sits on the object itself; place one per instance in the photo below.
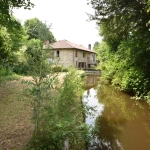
(117, 103)
(107, 132)
(121, 120)
(91, 81)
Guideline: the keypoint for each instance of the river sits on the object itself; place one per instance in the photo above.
(122, 123)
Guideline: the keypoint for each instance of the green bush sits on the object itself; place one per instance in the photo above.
(57, 68)
(65, 70)
(2, 71)
(9, 77)
(21, 69)
(135, 81)
(48, 97)
(54, 123)
(5, 71)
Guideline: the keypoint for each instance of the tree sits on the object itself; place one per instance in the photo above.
(124, 26)
(117, 19)
(38, 30)
(95, 45)
(48, 97)
(11, 40)
(6, 7)
(12, 34)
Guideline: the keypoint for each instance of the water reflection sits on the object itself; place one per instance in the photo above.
(90, 98)
(122, 123)
(108, 130)
(91, 82)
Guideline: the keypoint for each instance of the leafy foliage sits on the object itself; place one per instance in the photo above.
(6, 7)
(12, 34)
(48, 97)
(38, 30)
(118, 19)
(66, 123)
(57, 68)
(123, 70)
(4, 44)
(11, 40)
(125, 50)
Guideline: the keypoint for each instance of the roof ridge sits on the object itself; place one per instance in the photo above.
(70, 43)
(67, 44)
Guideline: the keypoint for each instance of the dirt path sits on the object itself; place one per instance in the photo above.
(15, 115)
(60, 77)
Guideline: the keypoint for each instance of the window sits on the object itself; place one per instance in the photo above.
(57, 53)
(83, 54)
(76, 53)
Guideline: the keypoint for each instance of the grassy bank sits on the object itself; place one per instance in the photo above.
(15, 114)
(9, 77)
(64, 120)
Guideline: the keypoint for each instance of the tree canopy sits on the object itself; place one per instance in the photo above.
(119, 18)
(38, 30)
(124, 25)
(11, 40)
(6, 7)
(12, 34)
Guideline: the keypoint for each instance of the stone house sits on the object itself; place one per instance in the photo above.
(71, 54)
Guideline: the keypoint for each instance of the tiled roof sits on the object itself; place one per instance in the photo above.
(64, 44)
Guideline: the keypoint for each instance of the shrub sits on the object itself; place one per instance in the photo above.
(2, 71)
(54, 123)
(65, 70)
(21, 68)
(57, 68)
(9, 77)
(5, 71)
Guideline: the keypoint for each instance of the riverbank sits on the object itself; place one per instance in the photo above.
(15, 114)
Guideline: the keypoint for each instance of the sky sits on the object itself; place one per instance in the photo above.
(68, 19)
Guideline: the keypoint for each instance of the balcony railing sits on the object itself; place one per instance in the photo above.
(91, 62)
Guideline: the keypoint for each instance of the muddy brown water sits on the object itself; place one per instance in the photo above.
(122, 123)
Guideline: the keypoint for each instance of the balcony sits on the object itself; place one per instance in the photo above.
(91, 62)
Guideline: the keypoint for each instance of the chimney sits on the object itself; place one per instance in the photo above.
(89, 46)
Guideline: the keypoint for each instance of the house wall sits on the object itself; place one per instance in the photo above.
(88, 57)
(67, 57)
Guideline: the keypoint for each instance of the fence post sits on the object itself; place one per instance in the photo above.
(65, 145)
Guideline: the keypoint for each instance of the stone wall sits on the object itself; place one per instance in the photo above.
(67, 57)
(87, 56)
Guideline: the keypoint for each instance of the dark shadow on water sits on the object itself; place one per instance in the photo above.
(107, 131)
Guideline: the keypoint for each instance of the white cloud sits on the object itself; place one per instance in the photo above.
(68, 18)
